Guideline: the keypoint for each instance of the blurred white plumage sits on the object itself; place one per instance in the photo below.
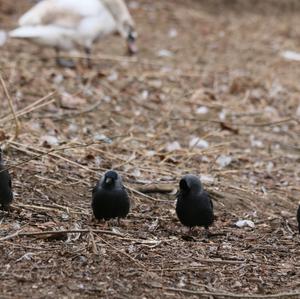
(67, 24)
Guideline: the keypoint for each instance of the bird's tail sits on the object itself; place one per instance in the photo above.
(24, 32)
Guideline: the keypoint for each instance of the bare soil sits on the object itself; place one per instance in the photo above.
(126, 113)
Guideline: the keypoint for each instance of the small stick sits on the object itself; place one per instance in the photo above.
(262, 124)
(11, 236)
(216, 261)
(26, 111)
(38, 207)
(78, 113)
(229, 295)
(124, 253)
(10, 102)
(38, 101)
(53, 208)
(144, 195)
(95, 250)
(43, 153)
(58, 232)
(51, 153)
(157, 188)
(179, 269)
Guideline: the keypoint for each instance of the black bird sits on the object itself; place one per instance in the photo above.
(194, 206)
(110, 199)
(298, 218)
(6, 195)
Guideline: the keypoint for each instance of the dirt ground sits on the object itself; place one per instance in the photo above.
(207, 70)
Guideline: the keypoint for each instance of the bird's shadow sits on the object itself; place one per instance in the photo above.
(205, 237)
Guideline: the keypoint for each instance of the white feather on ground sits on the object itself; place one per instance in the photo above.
(291, 55)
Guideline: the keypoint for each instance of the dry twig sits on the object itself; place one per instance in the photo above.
(12, 109)
(231, 295)
(59, 232)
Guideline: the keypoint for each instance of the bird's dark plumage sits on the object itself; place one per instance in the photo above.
(110, 199)
(6, 195)
(298, 218)
(194, 206)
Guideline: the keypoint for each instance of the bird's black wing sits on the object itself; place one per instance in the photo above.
(211, 203)
(209, 199)
(94, 190)
(9, 182)
(298, 217)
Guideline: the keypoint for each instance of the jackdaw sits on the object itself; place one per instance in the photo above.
(194, 206)
(6, 194)
(109, 198)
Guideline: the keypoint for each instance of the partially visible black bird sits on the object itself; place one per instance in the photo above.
(6, 194)
(194, 206)
(110, 199)
(298, 218)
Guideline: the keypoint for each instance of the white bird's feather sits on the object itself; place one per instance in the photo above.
(66, 24)
(3, 37)
(42, 12)
(50, 35)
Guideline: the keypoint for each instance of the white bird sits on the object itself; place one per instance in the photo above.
(68, 24)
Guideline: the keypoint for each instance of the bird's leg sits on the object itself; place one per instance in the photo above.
(87, 51)
(57, 58)
(103, 223)
(115, 221)
(107, 224)
(6, 209)
(119, 221)
(98, 222)
(63, 62)
(206, 233)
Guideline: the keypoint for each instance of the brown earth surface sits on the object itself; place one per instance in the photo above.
(126, 113)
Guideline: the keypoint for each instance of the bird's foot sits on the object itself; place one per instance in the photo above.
(119, 221)
(6, 208)
(207, 233)
(100, 222)
(188, 234)
(188, 238)
(115, 222)
(89, 64)
(65, 63)
(88, 60)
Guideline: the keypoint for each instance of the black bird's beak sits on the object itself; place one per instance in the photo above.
(108, 181)
(131, 43)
